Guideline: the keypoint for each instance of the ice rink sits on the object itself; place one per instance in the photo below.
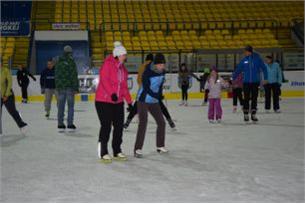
(228, 162)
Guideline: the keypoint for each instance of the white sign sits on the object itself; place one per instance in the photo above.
(66, 26)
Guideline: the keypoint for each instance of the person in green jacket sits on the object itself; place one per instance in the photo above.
(66, 85)
(8, 99)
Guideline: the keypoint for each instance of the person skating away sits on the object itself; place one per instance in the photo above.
(8, 99)
(237, 92)
(133, 111)
(251, 66)
(273, 87)
(47, 83)
(148, 101)
(23, 81)
(111, 92)
(215, 84)
(67, 85)
(184, 83)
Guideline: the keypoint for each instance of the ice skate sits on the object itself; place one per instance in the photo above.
(218, 121)
(61, 128)
(254, 118)
(126, 125)
(267, 111)
(47, 115)
(185, 104)
(211, 121)
(162, 150)
(71, 128)
(171, 123)
(106, 159)
(182, 103)
(120, 157)
(234, 109)
(246, 118)
(277, 111)
(24, 130)
(138, 153)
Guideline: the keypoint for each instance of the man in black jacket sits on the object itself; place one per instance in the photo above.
(47, 83)
(23, 81)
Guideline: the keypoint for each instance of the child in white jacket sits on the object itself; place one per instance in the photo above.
(215, 85)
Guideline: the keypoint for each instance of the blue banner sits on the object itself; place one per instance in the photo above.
(15, 28)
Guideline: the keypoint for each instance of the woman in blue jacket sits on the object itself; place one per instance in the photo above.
(148, 99)
(273, 86)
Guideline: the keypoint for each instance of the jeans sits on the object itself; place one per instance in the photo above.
(65, 95)
(214, 109)
(48, 98)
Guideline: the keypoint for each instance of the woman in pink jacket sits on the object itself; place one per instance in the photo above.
(111, 92)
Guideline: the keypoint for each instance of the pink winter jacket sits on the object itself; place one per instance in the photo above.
(113, 79)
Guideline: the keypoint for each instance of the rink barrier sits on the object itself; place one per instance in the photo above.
(168, 96)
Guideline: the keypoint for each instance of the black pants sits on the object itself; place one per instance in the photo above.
(110, 115)
(134, 111)
(237, 95)
(206, 95)
(11, 108)
(184, 89)
(250, 90)
(24, 90)
(274, 90)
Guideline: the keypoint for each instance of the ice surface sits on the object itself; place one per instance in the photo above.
(228, 162)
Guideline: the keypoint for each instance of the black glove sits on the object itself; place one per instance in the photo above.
(114, 97)
(129, 108)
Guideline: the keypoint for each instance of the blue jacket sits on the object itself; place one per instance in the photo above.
(251, 67)
(47, 79)
(152, 86)
(274, 73)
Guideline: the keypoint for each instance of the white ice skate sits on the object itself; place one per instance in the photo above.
(106, 159)
(218, 120)
(234, 109)
(278, 111)
(138, 153)
(162, 150)
(211, 121)
(120, 157)
(182, 103)
(185, 104)
(24, 130)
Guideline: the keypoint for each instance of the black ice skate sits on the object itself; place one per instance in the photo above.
(127, 123)
(61, 128)
(71, 128)
(254, 118)
(246, 117)
(171, 123)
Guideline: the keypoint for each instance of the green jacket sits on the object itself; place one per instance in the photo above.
(66, 73)
(6, 82)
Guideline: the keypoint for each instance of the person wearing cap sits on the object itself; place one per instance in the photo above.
(66, 85)
(132, 112)
(148, 98)
(251, 66)
(273, 86)
(111, 92)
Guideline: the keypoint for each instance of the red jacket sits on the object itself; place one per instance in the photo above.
(113, 80)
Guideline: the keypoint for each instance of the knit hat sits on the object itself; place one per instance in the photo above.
(149, 57)
(249, 48)
(119, 49)
(159, 59)
(68, 49)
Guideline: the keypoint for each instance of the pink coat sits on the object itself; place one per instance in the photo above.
(113, 80)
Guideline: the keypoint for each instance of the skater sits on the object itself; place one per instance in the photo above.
(237, 92)
(8, 99)
(184, 83)
(148, 101)
(214, 85)
(251, 66)
(47, 83)
(109, 102)
(67, 85)
(133, 111)
(273, 86)
(202, 79)
(23, 81)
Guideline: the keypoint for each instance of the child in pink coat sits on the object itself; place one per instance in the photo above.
(215, 85)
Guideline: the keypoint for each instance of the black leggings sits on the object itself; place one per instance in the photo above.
(110, 115)
(11, 108)
(237, 94)
(24, 90)
(134, 111)
(184, 89)
(250, 93)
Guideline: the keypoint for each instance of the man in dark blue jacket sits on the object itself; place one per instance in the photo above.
(251, 66)
(47, 83)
